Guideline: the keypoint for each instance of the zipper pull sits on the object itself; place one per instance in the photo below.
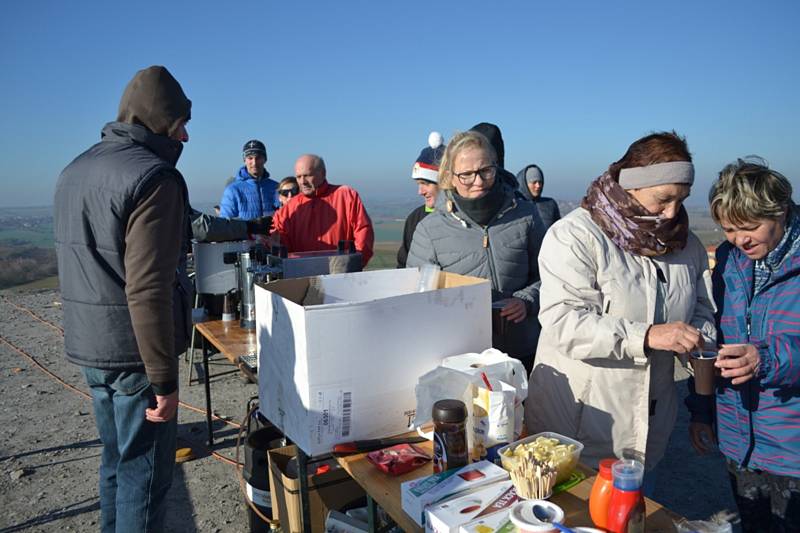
(485, 240)
(747, 318)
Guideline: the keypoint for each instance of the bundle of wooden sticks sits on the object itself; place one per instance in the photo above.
(533, 479)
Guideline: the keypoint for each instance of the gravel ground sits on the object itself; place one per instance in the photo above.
(50, 453)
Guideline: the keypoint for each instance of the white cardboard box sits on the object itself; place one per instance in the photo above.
(449, 515)
(340, 355)
(417, 494)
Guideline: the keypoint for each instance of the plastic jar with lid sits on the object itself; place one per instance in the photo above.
(601, 493)
(449, 435)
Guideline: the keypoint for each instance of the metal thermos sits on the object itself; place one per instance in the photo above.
(246, 262)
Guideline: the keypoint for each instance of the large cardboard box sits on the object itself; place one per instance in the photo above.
(332, 489)
(340, 355)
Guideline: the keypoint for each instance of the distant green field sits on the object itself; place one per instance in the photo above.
(44, 283)
(42, 237)
(389, 231)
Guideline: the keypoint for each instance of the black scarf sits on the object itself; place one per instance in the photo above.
(482, 209)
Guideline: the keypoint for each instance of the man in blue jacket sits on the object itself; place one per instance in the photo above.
(252, 194)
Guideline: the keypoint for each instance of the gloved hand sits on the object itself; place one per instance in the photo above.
(259, 226)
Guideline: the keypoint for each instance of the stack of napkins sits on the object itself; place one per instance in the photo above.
(449, 515)
(418, 494)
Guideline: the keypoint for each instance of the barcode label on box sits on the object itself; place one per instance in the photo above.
(334, 419)
(347, 409)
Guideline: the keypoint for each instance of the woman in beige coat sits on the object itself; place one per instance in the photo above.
(625, 287)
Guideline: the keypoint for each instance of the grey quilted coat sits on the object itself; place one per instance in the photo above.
(505, 252)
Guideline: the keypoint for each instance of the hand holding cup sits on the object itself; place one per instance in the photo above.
(739, 362)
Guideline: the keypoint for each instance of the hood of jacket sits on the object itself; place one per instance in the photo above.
(244, 175)
(155, 100)
(523, 184)
(164, 147)
(492, 132)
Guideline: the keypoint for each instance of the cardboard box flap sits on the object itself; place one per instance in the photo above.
(293, 290)
(448, 280)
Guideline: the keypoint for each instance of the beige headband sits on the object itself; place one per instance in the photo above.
(680, 172)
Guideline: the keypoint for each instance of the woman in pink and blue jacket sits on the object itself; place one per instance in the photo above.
(757, 289)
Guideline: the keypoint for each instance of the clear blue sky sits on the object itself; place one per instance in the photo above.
(571, 84)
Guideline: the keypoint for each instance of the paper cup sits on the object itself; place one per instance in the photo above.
(704, 371)
(499, 323)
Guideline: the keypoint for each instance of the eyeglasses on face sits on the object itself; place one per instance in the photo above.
(468, 178)
(291, 191)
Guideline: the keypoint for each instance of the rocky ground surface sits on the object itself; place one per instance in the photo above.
(50, 453)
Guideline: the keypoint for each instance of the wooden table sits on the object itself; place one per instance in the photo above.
(385, 491)
(230, 340)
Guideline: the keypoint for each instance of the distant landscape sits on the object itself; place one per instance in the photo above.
(27, 254)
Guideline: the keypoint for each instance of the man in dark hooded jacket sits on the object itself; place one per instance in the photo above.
(495, 136)
(121, 221)
(531, 185)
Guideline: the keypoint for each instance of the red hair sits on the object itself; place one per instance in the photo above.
(662, 147)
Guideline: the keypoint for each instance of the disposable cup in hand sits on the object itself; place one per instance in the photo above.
(428, 277)
(704, 371)
(498, 322)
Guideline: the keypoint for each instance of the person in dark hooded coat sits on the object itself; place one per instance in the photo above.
(531, 184)
(495, 136)
(121, 221)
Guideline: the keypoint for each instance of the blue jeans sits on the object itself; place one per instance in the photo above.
(138, 456)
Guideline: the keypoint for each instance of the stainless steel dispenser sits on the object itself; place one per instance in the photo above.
(246, 263)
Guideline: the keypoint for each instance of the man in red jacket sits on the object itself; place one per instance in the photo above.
(323, 214)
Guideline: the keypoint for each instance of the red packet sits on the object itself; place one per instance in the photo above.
(398, 459)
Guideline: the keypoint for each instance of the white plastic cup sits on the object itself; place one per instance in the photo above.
(428, 277)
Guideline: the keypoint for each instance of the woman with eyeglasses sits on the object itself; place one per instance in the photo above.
(479, 228)
(287, 189)
(625, 288)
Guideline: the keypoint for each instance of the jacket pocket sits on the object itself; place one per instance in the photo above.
(182, 313)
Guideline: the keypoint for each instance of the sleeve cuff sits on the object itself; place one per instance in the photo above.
(765, 362)
(636, 335)
(701, 408)
(163, 389)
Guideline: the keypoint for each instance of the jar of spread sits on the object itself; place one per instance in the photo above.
(449, 435)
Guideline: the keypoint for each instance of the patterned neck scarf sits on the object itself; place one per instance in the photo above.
(629, 225)
(763, 268)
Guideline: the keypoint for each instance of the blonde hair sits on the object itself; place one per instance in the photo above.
(747, 191)
(459, 142)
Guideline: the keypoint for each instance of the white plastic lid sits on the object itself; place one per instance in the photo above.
(522, 516)
(627, 474)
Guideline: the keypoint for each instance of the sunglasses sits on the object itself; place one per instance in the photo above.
(286, 192)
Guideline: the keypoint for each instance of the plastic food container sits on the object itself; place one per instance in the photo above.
(564, 468)
(522, 516)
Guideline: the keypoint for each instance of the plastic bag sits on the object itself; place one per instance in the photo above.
(496, 365)
(460, 378)
(703, 526)
(398, 459)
